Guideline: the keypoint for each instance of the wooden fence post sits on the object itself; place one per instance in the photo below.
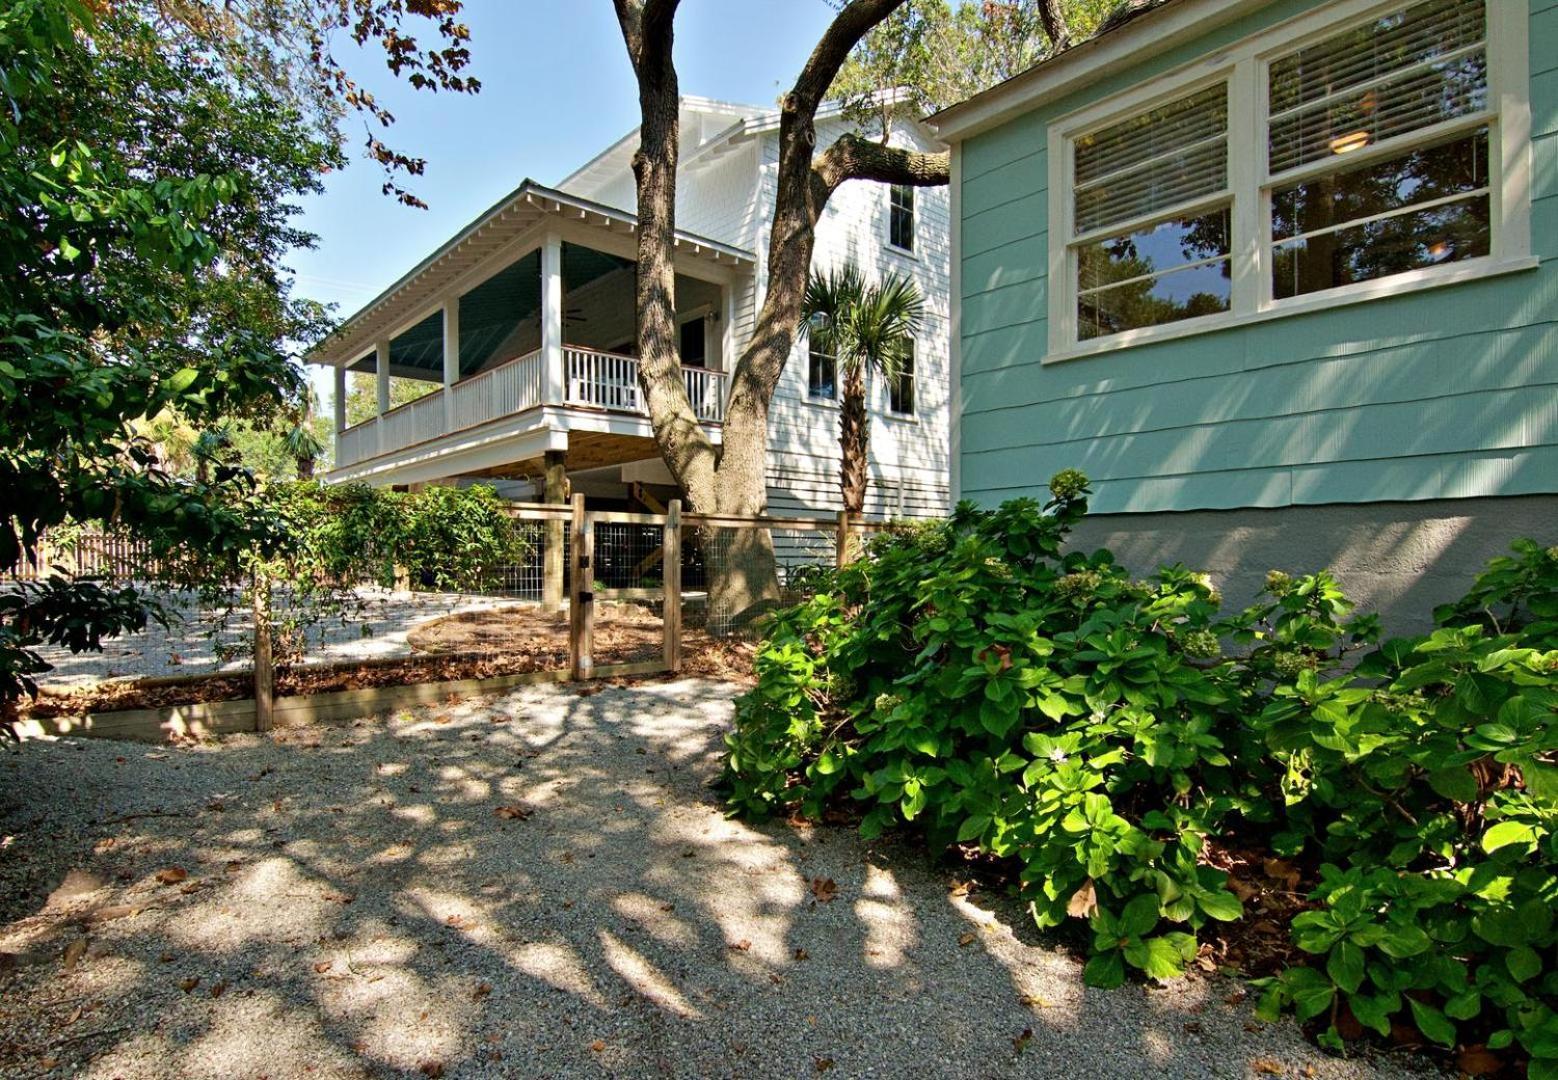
(672, 604)
(264, 662)
(843, 548)
(581, 594)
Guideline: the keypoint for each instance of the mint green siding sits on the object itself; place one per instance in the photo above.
(1445, 393)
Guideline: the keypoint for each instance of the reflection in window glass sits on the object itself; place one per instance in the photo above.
(1173, 270)
(900, 216)
(821, 374)
(1451, 168)
(1359, 225)
(900, 391)
(1374, 249)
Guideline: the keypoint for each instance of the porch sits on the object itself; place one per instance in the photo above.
(593, 382)
(513, 345)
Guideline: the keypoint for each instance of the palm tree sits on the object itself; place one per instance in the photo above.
(302, 444)
(862, 327)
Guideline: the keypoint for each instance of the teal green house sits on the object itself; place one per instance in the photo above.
(1279, 276)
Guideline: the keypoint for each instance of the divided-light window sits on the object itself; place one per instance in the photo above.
(1377, 154)
(1381, 84)
(1152, 217)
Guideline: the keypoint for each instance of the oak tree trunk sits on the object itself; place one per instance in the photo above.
(732, 478)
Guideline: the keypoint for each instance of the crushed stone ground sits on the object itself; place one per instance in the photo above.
(541, 884)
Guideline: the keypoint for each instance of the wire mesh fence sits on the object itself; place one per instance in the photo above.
(520, 620)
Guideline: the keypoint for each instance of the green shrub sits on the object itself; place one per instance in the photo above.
(977, 682)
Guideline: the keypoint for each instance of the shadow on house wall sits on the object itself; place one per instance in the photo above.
(1400, 559)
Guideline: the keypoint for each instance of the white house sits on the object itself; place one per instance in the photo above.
(522, 324)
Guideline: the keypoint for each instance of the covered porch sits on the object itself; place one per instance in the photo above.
(522, 330)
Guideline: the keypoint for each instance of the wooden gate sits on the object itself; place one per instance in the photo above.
(585, 591)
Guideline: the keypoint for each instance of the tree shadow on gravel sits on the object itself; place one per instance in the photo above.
(537, 885)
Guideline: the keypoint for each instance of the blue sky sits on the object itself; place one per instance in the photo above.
(556, 89)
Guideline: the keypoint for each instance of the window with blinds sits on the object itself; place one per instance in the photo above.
(1145, 253)
(1335, 153)
(1416, 80)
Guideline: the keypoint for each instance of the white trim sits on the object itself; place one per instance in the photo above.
(1430, 277)
(1245, 67)
(955, 328)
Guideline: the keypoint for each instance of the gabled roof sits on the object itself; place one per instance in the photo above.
(1135, 31)
(724, 116)
(510, 217)
(702, 142)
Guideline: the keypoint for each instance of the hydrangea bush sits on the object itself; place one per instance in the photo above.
(977, 681)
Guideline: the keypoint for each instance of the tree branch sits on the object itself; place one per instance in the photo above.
(842, 35)
(854, 157)
(1054, 23)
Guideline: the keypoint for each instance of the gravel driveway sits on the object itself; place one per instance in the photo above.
(535, 885)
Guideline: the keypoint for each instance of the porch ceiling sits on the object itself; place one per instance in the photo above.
(521, 211)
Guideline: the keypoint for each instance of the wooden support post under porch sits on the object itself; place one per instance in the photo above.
(557, 492)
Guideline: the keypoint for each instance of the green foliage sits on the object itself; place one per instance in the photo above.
(453, 539)
(978, 682)
(145, 200)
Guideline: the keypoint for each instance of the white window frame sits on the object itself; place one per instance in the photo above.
(814, 396)
(1245, 67)
(912, 375)
(913, 210)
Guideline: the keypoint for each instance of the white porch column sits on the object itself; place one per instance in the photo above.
(451, 358)
(554, 385)
(340, 400)
(381, 362)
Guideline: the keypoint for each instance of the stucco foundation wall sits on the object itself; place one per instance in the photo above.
(1400, 559)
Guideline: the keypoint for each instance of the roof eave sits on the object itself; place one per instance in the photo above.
(529, 193)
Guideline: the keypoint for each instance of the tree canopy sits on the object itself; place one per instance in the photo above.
(942, 52)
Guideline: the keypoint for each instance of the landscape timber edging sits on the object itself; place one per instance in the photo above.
(203, 719)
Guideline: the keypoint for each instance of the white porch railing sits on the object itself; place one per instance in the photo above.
(501, 391)
(592, 379)
(358, 442)
(414, 422)
(609, 381)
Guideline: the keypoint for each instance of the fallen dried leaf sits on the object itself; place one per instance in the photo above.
(481, 991)
(172, 875)
(967, 938)
(824, 889)
(1084, 902)
(322, 966)
(1020, 1043)
(431, 1069)
(188, 984)
(74, 952)
(219, 988)
(1267, 1067)
(741, 946)
(598, 1045)
(1478, 1061)
(823, 1064)
(512, 813)
(802, 954)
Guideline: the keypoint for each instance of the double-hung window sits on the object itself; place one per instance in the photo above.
(900, 216)
(1357, 151)
(900, 388)
(821, 373)
(1152, 216)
